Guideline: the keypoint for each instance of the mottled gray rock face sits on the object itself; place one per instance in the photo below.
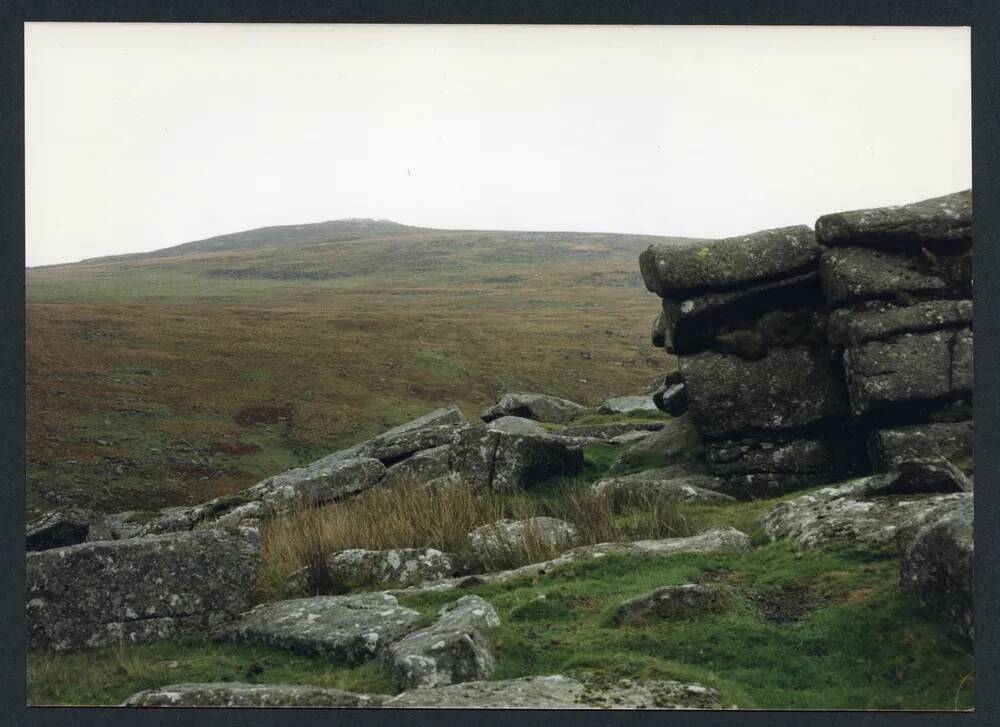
(559, 692)
(844, 515)
(879, 320)
(539, 407)
(141, 589)
(498, 541)
(66, 526)
(907, 368)
(430, 430)
(674, 270)
(507, 462)
(236, 694)
(317, 484)
(788, 389)
(422, 467)
(890, 447)
(685, 482)
(406, 566)
(678, 439)
(858, 273)
(608, 432)
(673, 602)
(518, 425)
(936, 564)
(344, 629)
(946, 219)
(455, 649)
(628, 405)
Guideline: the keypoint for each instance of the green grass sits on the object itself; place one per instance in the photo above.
(863, 646)
(110, 675)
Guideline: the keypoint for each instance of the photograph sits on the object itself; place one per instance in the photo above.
(504, 367)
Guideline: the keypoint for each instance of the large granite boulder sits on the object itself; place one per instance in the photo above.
(559, 692)
(421, 467)
(539, 407)
(628, 405)
(238, 694)
(406, 566)
(673, 602)
(945, 220)
(846, 515)
(951, 440)
(430, 430)
(912, 367)
(878, 320)
(491, 460)
(675, 270)
(857, 273)
(454, 649)
(344, 629)
(140, 589)
(791, 388)
(936, 564)
(507, 540)
(683, 482)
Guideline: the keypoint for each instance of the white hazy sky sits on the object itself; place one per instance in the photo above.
(143, 136)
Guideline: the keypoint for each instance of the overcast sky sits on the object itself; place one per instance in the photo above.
(144, 136)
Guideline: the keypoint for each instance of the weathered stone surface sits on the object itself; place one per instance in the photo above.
(673, 602)
(658, 332)
(936, 564)
(878, 320)
(757, 485)
(693, 324)
(685, 482)
(609, 431)
(539, 407)
(788, 389)
(946, 219)
(673, 270)
(499, 541)
(422, 467)
(518, 425)
(858, 273)
(430, 430)
(628, 405)
(671, 399)
(140, 589)
(65, 526)
(237, 694)
(907, 368)
(345, 629)
(559, 692)
(506, 462)
(844, 515)
(398, 565)
(921, 476)
(454, 649)
(951, 440)
(678, 439)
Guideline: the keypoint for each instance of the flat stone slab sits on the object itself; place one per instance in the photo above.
(628, 405)
(878, 320)
(857, 273)
(845, 515)
(430, 430)
(673, 271)
(540, 407)
(140, 589)
(946, 219)
(559, 692)
(518, 425)
(500, 540)
(611, 430)
(236, 694)
(421, 467)
(344, 629)
(677, 483)
(454, 649)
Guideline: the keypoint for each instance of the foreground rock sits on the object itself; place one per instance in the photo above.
(490, 460)
(139, 590)
(685, 482)
(455, 649)
(507, 540)
(72, 525)
(673, 602)
(421, 468)
(344, 629)
(518, 425)
(846, 515)
(628, 405)
(236, 694)
(559, 692)
(936, 564)
(357, 568)
(539, 407)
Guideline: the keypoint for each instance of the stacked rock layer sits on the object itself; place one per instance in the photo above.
(807, 357)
